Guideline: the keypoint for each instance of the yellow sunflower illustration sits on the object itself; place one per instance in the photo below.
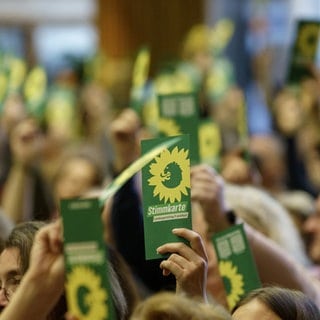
(170, 174)
(168, 127)
(209, 141)
(307, 39)
(235, 285)
(86, 299)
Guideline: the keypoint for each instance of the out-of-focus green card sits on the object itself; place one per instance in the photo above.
(236, 264)
(87, 286)
(166, 194)
(179, 114)
(35, 91)
(140, 78)
(304, 49)
(210, 143)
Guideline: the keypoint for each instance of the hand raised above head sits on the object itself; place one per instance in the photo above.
(26, 141)
(188, 264)
(124, 131)
(207, 188)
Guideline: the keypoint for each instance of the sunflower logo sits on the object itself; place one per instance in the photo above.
(307, 39)
(168, 127)
(86, 298)
(170, 175)
(233, 282)
(209, 140)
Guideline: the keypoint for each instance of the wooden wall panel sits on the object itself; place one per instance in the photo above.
(125, 25)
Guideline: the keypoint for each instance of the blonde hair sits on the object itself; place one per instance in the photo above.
(264, 213)
(168, 305)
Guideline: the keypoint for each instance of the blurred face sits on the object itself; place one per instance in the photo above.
(312, 229)
(254, 310)
(10, 275)
(76, 178)
(13, 112)
(289, 116)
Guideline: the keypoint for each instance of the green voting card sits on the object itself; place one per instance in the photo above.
(61, 112)
(87, 287)
(179, 114)
(3, 87)
(304, 50)
(139, 78)
(236, 264)
(35, 91)
(210, 144)
(166, 194)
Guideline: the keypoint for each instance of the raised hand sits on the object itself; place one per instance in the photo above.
(187, 263)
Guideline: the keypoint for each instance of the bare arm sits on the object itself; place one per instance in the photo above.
(274, 264)
(277, 267)
(25, 146)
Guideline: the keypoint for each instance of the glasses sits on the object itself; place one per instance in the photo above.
(10, 287)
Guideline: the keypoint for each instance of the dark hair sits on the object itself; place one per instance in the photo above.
(286, 303)
(21, 237)
(126, 281)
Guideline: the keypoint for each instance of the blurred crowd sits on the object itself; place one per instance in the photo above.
(71, 139)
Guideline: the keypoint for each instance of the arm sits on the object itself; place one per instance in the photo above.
(277, 267)
(126, 212)
(18, 188)
(274, 264)
(127, 230)
(124, 132)
(13, 193)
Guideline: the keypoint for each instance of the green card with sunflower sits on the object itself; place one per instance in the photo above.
(35, 91)
(210, 143)
(140, 78)
(179, 114)
(236, 264)
(87, 286)
(166, 193)
(304, 50)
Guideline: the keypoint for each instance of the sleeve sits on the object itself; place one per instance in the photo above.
(127, 224)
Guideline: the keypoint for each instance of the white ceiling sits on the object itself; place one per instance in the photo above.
(38, 11)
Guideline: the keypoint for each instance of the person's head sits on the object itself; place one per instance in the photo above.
(237, 168)
(275, 303)
(311, 228)
(14, 258)
(170, 306)
(79, 172)
(13, 111)
(269, 153)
